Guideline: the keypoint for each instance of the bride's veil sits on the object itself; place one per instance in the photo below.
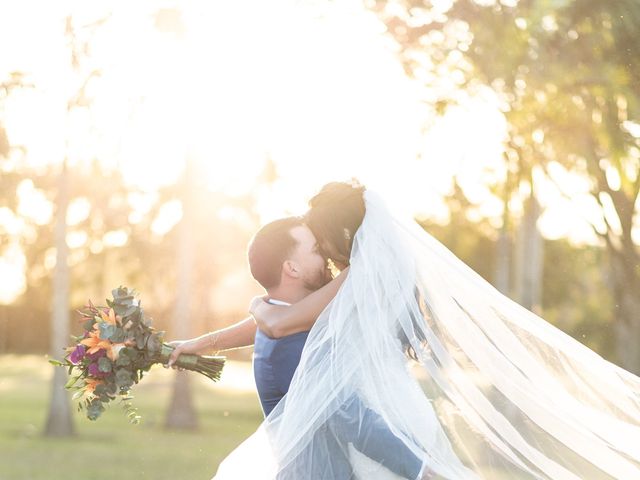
(495, 391)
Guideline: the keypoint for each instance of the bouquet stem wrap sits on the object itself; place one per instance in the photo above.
(208, 365)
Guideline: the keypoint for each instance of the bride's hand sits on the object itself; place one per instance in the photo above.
(182, 346)
(265, 315)
(255, 303)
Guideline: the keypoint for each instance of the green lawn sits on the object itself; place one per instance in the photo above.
(111, 447)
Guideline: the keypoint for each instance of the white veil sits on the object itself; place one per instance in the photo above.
(496, 393)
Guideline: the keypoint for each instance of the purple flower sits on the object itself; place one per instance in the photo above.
(77, 354)
(95, 372)
(95, 356)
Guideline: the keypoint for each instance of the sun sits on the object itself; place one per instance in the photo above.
(316, 92)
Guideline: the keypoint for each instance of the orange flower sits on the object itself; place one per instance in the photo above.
(109, 318)
(91, 384)
(94, 343)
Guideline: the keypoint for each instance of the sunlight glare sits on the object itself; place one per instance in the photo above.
(13, 281)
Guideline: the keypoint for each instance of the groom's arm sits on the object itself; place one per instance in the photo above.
(370, 434)
(238, 335)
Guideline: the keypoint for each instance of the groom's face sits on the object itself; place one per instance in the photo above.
(313, 266)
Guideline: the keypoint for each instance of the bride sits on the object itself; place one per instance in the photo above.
(460, 374)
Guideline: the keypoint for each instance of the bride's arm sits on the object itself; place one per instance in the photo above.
(278, 320)
(238, 335)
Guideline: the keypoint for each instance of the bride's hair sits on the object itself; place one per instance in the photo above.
(335, 213)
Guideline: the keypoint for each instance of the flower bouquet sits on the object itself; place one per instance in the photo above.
(118, 346)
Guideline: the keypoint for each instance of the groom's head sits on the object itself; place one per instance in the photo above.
(285, 254)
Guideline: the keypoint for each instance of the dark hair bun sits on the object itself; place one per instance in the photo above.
(336, 213)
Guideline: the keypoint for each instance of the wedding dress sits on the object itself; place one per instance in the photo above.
(496, 391)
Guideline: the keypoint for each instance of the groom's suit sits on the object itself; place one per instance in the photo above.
(274, 363)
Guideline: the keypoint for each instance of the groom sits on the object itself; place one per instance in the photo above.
(284, 258)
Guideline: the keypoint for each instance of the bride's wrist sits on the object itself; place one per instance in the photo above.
(212, 340)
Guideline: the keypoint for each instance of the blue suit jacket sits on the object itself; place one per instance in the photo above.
(274, 362)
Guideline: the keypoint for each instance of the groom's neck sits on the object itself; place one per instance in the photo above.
(288, 294)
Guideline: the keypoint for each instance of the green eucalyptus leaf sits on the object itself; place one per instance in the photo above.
(154, 343)
(123, 378)
(100, 390)
(119, 335)
(137, 315)
(94, 409)
(123, 360)
(107, 331)
(127, 352)
(122, 295)
(105, 365)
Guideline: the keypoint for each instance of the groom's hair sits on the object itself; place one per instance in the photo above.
(269, 248)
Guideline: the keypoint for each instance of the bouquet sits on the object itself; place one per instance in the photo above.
(118, 346)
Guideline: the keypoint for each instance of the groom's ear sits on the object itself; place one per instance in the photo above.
(291, 269)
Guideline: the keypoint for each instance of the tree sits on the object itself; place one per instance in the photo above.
(8, 181)
(59, 421)
(566, 76)
(181, 412)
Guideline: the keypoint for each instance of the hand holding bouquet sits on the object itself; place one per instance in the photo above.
(118, 346)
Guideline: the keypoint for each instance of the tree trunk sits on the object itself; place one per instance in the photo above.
(502, 266)
(502, 272)
(59, 420)
(181, 413)
(529, 259)
(627, 315)
(4, 331)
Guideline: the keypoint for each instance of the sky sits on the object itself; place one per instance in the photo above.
(315, 87)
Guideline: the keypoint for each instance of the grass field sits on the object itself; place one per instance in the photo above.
(112, 448)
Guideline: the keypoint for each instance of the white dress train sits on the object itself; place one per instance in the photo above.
(500, 393)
